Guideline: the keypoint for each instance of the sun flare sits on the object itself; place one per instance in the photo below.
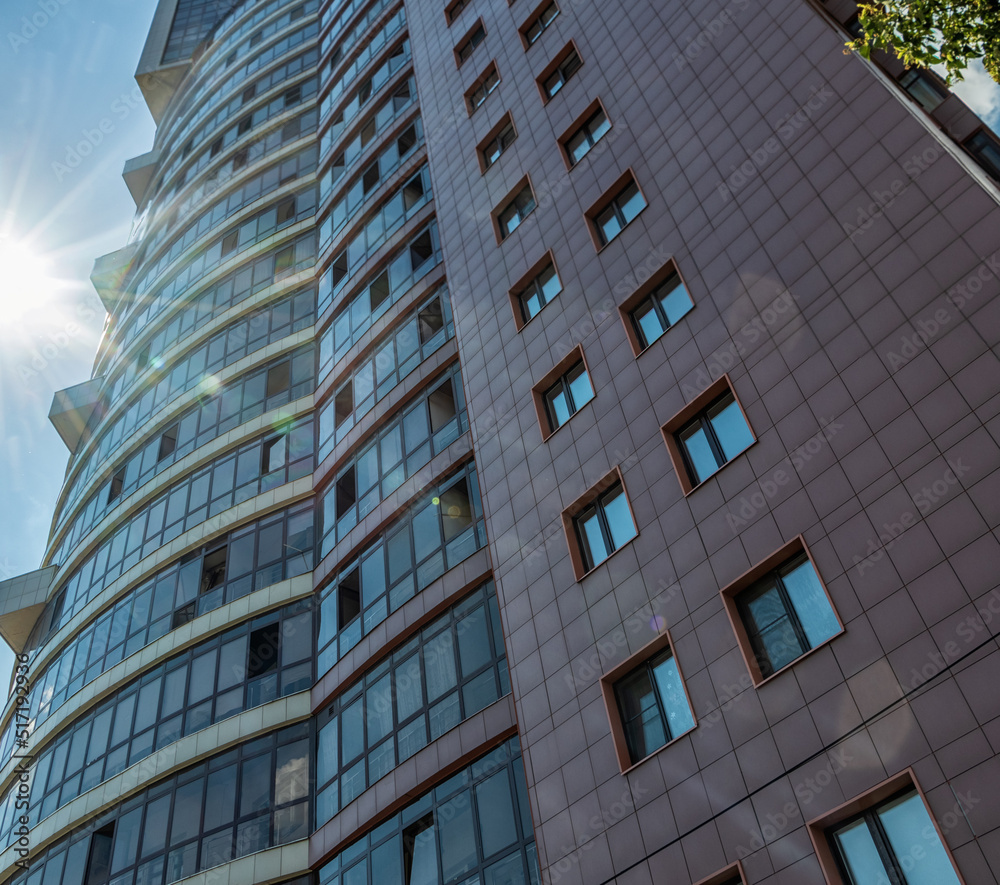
(25, 284)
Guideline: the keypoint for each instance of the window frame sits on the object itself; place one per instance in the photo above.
(611, 199)
(466, 47)
(534, 19)
(454, 9)
(976, 152)
(654, 651)
(555, 66)
(821, 828)
(595, 107)
(683, 419)
(501, 229)
(669, 272)
(517, 291)
(480, 83)
(577, 508)
(548, 381)
(751, 578)
(726, 876)
(492, 137)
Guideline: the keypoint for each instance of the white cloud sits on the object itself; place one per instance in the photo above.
(980, 93)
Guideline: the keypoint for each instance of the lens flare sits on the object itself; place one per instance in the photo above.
(209, 387)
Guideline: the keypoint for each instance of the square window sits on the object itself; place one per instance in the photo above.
(616, 210)
(707, 434)
(229, 242)
(481, 89)
(245, 125)
(539, 20)
(559, 72)
(464, 50)
(249, 94)
(535, 290)
(781, 610)
(453, 10)
(500, 137)
(515, 209)
(240, 158)
(584, 135)
(599, 524)
(647, 702)
(786, 614)
(886, 835)
(659, 310)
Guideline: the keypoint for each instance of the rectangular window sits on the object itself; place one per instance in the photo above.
(653, 706)
(464, 50)
(887, 835)
(585, 135)
(558, 72)
(500, 138)
(514, 210)
(481, 89)
(604, 526)
(213, 570)
(785, 614)
(924, 88)
(985, 150)
(659, 310)
(535, 26)
(616, 210)
(533, 292)
(168, 442)
(453, 10)
(116, 484)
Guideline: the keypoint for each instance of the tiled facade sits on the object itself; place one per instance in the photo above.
(479, 380)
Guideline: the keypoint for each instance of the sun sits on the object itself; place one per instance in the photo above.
(25, 282)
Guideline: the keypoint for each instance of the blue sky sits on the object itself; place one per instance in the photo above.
(62, 74)
(72, 117)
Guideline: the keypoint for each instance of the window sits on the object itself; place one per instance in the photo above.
(714, 438)
(785, 614)
(117, 482)
(464, 50)
(539, 21)
(568, 395)
(533, 292)
(731, 875)
(892, 839)
(659, 310)
(168, 442)
(487, 82)
(500, 138)
(515, 209)
(985, 151)
(556, 75)
(264, 650)
(213, 570)
(616, 210)
(249, 94)
(924, 88)
(653, 706)
(585, 135)
(278, 379)
(604, 526)
(453, 10)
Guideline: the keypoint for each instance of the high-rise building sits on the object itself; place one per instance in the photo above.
(530, 442)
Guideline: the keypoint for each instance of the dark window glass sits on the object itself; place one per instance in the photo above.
(540, 22)
(653, 706)
(558, 78)
(786, 614)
